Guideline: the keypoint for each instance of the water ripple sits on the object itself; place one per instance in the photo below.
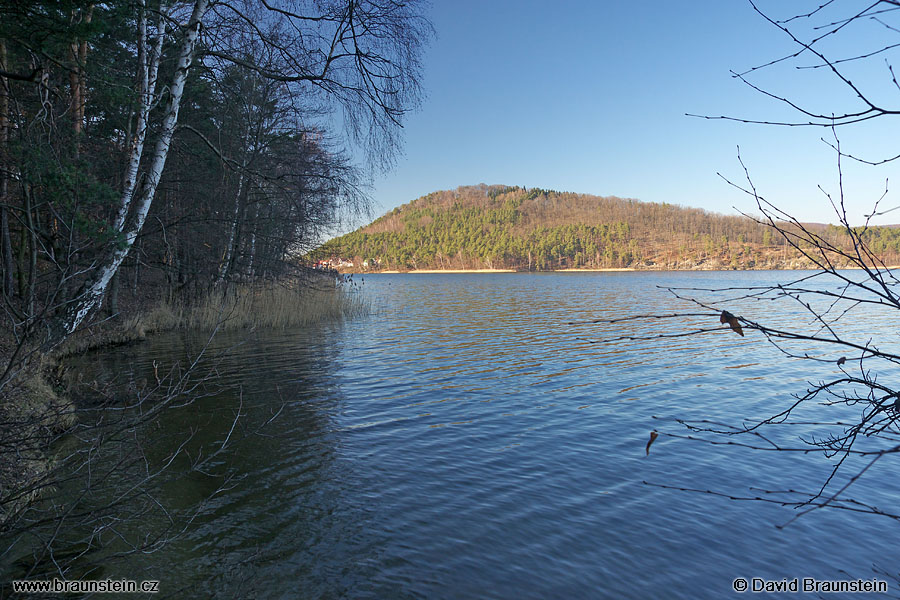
(467, 442)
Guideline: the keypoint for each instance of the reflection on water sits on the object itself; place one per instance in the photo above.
(466, 441)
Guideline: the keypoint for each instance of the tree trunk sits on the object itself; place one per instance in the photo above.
(31, 228)
(82, 61)
(75, 102)
(91, 294)
(6, 243)
(252, 252)
(77, 79)
(136, 259)
(8, 264)
(148, 63)
(112, 306)
(20, 261)
(232, 234)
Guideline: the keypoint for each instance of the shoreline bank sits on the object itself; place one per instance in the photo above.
(599, 270)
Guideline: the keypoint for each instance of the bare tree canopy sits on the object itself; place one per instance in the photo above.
(848, 43)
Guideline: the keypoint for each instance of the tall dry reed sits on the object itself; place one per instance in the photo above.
(274, 306)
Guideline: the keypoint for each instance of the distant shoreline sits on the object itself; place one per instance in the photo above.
(461, 271)
(603, 270)
(432, 271)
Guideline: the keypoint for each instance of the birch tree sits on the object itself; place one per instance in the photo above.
(91, 109)
(91, 294)
(358, 57)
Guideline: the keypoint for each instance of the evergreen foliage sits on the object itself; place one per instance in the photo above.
(504, 227)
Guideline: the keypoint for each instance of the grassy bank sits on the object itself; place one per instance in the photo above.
(33, 414)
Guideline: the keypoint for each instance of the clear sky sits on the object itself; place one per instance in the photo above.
(590, 96)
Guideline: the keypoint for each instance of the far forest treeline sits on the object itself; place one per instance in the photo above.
(499, 227)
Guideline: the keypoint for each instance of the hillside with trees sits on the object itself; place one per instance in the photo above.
(500, 227)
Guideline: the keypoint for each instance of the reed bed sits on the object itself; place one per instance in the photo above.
(273, 305)
(270, 306)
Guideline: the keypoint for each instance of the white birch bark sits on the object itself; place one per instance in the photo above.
(93, 290)
(229, 247)
(252, 241)
(148, 63)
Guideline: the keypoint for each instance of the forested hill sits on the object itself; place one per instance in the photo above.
(499, 227)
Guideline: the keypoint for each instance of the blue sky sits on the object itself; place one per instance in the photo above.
(591, 96)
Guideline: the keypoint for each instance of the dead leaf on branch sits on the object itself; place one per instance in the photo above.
(842, 360)
(727, 317)
(653, 436)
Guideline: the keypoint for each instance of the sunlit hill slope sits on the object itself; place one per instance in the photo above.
(501, 227)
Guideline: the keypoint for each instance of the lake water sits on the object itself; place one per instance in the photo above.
(465, 441)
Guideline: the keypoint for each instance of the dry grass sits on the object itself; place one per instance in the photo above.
(263, 306)
(32, 416)
(273, 306)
